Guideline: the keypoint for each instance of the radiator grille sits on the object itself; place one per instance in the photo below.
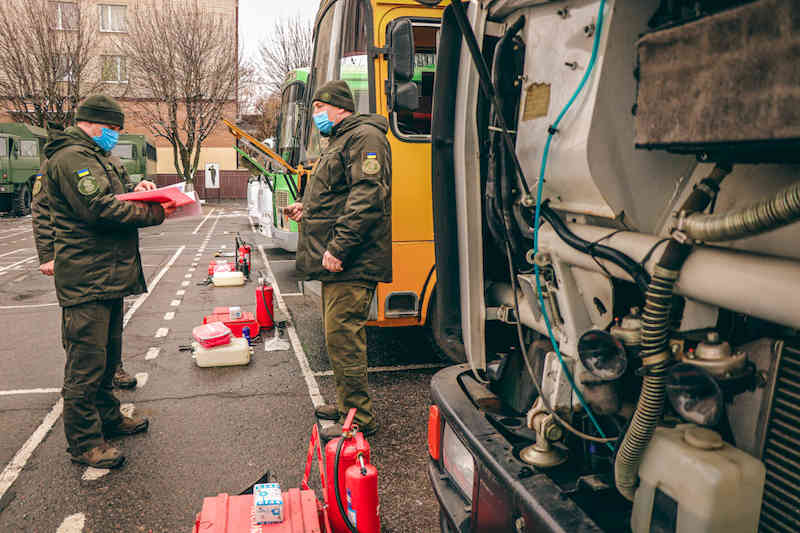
(281, 199)
(780, 511)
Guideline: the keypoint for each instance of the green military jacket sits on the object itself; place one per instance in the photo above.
(78, 222)
(347, 204)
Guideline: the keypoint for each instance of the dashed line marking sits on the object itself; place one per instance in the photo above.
(184, 283)
(72, 524)
(13, 252)
(180, 292)
(200, 225)
(31, 258)
(152, 353)
(169, 316)
(93, 474)
(175, 303)
(191, 269)
(141, 379)
(140, 300)
(27, 391)
(162, 332)
(187, 276)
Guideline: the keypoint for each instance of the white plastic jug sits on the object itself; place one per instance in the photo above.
(228, 279)
(237, 352)
(693, 482)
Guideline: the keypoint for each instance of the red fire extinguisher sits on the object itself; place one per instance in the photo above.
(265, 308)
(351, 481)
(242, 256)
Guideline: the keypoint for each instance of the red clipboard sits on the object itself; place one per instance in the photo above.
(164, 194)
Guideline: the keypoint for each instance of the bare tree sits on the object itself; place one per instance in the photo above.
(290, 45)
(46, 51)
(186, 60)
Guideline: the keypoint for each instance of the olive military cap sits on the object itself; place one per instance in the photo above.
(336, 93)
(101, 109)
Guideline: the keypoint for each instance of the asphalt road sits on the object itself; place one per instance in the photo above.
(213, 430)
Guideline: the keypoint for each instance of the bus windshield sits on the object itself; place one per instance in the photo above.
(340, 56)
(291, 108)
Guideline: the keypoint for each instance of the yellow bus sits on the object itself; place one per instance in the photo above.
(362, 43)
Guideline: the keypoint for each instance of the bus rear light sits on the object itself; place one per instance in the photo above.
(434, 433)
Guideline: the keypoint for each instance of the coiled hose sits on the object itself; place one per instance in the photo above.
(655, 355)
(764, 216)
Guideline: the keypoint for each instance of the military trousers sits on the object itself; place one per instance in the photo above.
(92, 337)
(345, 309)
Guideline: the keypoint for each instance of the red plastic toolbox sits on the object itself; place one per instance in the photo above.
(236, 326)
(212, 334)
(233, 514)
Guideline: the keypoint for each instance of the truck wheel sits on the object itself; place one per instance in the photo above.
(22, 202)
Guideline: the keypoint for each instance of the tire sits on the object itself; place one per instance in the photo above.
(22, 201)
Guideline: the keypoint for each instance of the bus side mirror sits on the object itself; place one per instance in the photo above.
(404, 93)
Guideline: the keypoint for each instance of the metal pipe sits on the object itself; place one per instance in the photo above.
(765, 287)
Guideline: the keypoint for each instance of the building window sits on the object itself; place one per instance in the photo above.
(114, 69)
(113, 18)
(65, 15)
(64, 69)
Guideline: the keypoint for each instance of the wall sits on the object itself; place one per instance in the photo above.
(233, 184)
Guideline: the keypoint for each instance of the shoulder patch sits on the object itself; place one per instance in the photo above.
(88, 186)
(84, 172)
(37, 185)
(371, 166)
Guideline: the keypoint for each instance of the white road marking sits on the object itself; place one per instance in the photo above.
(282, 261)
(379, 369)
(152, 353)
(192, 269)
(141, 379)
(140, 300)
(311, 382)
(12, 470)
(184, 283)
(162, 332)
(14, 252)
(72, 524)
(175, 303)
(252, 224)
(187, 276)
(27, 391)
(200, 225)
(31, 258)
(27, 306)
(169, 316)
(293, 294)
(180, 292)
(93, 474)
(29, 230)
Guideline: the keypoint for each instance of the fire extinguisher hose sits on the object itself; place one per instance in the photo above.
(346, 518)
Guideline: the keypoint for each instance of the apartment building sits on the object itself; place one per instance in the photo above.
(111, 23)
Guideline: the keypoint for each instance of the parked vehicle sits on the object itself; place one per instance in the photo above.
(138, 155)
(353, 42)
(21, 156)
(616, 197)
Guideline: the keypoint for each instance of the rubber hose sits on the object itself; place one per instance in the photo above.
(525, 227)
(764, 216)
(655, 332)
(346, 518)
(490, 205)
(634, 269)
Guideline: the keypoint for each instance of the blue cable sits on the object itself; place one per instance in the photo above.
(551, 132)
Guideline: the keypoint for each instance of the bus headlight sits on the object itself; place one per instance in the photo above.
(458, 462)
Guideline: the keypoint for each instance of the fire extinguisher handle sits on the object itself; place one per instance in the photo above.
(363, 464)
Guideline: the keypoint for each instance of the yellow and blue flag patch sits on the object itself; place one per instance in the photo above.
(372, 155)
(83, 173)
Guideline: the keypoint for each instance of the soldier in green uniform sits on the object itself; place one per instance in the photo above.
(92, 239)
(43, 237)
(345, 241)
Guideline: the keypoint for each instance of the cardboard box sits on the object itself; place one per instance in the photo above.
(267, 503)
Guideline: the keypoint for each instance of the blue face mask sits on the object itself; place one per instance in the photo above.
(107, 140)
(323, 123)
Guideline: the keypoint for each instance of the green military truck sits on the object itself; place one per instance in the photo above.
(21, 152)
(138, 156)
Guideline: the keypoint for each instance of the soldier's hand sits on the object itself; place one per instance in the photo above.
(330, 263)
(48, 269)
(145, 185)
(294, 211)
(169, 208)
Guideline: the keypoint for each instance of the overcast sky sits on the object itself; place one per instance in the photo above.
(257, 16)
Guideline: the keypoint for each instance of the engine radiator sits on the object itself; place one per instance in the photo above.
(780, 511)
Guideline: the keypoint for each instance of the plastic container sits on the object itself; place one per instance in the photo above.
(705, 484)
(237, 352)
(233, 514)
(212, 334)
(221, 314)
(228, 279)
(215, 266)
